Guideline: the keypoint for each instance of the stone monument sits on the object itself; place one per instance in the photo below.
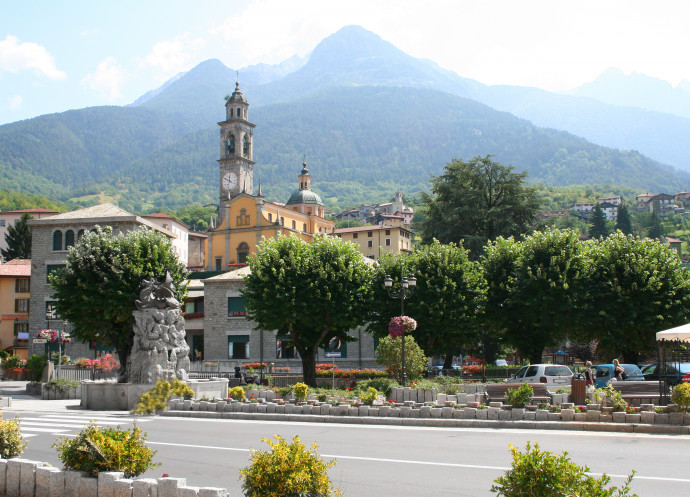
(159, 351)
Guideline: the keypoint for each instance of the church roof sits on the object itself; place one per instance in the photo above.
(304, 197)
(237, 96)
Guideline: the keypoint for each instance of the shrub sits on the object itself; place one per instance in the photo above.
(236, 393)
(389, 353)
(62, 385)
(288, 469)
(11, 441)
(98, 449)
(157, 398)
(301, 390)
(284, 392)
(35, 365)
(544, 473)
(681, 395)
(14, 362)
(369, 396)
(383, 385)
(609, 395)
(520, 397)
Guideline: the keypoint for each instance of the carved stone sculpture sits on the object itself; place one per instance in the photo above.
(159, 351)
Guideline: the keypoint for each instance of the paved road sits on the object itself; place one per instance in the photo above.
(372, 460)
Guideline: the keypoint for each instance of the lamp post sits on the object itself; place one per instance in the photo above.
(404, 292)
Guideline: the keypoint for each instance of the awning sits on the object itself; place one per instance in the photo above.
(195, 294)
(681, 333)
(23, 335)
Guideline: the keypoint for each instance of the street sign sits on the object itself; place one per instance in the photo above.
(40, 340)
(334, 354)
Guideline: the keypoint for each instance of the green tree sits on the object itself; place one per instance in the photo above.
(654, 230)
(476, 201)
(636, 287)
(97, 290)
(18, 239)
(389, 353)
(311, 291)
(446, 302)
(623, 221)
(534, 289)
(598, 227)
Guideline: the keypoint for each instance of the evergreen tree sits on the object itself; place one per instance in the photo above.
(654, 230)
(598, 227)
(623, 221)
(18, 240)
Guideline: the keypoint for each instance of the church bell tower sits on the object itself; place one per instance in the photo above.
(236, 149)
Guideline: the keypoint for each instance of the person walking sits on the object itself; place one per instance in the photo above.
(618, 371)
(590, 374)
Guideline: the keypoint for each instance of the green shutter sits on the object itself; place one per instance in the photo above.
(238, 338)
(237, 306)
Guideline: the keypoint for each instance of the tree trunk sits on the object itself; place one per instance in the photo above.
(448, 361)
(123, 353)
(630, 357)
(309, 366)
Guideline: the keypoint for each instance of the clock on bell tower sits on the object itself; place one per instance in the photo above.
(236, 149)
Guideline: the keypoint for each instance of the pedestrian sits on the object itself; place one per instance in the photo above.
(590, 374)
(618, 371)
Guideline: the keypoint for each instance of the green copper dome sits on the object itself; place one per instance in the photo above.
(304, 197)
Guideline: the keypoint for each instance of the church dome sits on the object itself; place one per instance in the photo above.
(237, 97)
(304, 197)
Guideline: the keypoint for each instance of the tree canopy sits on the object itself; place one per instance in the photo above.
(312, 292)
(97, 290)
(623, 221)
(475, 202)
(18, 239)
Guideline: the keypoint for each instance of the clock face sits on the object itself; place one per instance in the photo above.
(229, 181)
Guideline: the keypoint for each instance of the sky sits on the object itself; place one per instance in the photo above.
(69, 54)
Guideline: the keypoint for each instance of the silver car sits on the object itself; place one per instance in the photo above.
(551, 374)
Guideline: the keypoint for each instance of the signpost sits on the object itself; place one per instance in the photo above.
(40, 340)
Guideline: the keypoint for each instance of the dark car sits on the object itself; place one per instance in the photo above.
(676, 372)
(604, 374)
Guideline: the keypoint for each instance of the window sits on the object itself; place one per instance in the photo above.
(21, 285)
(370, 234)
(284, 348)
(237, 307)
(243, 218)
(80, 233)
(51, 311)
(355, 235)
(245, 146)
(370, 243)
(282, 221)
(231, 144)
(69, 238)
(57, 240)
(304, 227)
(270, 217)
(242, 253)
(388, 242)
(219, 263)
(294, 225)
(21, 305)
(238, 347)
(2, 222)
(51, 268)
(388, 232)
(21, 327)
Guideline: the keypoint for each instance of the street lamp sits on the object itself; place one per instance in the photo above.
(407, 286)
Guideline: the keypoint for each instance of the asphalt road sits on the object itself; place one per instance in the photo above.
(379, 460)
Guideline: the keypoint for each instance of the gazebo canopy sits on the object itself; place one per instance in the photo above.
(681, 333)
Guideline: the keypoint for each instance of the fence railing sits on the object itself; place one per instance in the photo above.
(79, 374)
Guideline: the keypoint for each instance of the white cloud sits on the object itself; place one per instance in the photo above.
(15, 102)
(16, 56)
(106, 79)
(173, 56)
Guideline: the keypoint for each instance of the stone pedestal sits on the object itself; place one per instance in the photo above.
(109, 396)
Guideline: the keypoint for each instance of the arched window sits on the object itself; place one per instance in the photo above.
(231, 111)
(242, 253)
(245, 146)
(69, 238)
(231, 144)
(270, 217)
(239, 112)
(282, 221)
(57, 240)
(80, 233)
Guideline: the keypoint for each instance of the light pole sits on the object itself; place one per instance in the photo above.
(407, 286)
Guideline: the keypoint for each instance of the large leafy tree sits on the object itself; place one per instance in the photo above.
(18, 239)
(446, 302)
(476, 201)
(313, 292)
(98, 288)
(598, 227)
(535, 288)
(636, 287)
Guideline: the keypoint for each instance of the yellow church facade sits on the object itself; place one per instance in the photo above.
(244, 219)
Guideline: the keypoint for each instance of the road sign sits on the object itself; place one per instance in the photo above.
(40, 340)
(334, 354)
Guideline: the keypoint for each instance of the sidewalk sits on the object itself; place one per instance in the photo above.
(19, 401)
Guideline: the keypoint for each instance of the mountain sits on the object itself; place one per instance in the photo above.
(637, 90)
(369, 118)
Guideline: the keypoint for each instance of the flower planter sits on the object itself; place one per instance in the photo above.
(16, 375)
(57, 394)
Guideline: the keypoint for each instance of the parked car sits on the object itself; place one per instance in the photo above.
(605, 374)
(551, 374)
(501, 362)
(676, 372)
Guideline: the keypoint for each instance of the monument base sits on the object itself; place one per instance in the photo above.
(110, 396)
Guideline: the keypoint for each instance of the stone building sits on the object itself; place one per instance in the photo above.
(50, 241)
(375, 240)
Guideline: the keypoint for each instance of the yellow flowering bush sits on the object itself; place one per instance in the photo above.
(11, 441)
(301, 390)
(288, 469)
(236, 393)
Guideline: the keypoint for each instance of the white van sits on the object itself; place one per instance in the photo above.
(551, 374)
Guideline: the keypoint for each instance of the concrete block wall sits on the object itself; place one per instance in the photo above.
(25, 478)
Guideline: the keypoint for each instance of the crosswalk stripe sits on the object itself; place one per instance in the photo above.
(71, 425)
(104, 419)
(42, 430)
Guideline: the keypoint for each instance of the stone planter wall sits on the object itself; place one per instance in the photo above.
(56, 394)
(25, 478)
(10, 374)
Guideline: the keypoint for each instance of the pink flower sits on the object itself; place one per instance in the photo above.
(400, 325)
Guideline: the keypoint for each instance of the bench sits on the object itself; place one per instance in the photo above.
(638, 392)
(496, 392)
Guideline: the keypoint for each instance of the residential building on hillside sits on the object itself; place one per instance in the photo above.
(662, 204)
(397, 207)
(390, 220)
(682, 199)
(10, 218)
(610, 210)
(51, 238)
(675, 244)
(180, 244)
(583, 207)
(375, 240)
(615, 200)
(15, 286)
(544, 215)
(244, 218)
(642, 200)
